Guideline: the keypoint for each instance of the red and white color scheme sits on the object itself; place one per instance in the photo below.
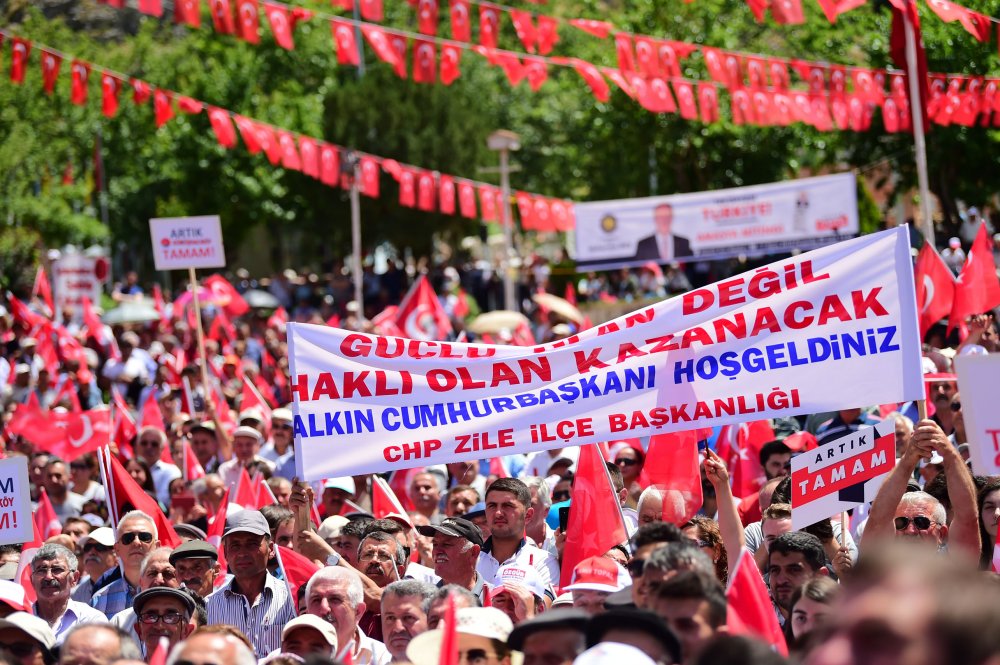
(935, 287)
(17, 524)
(365, 404)
(673, 469)
(750, 611)
(421, 315)
(385, 503)
(977, 376)
(977, 289)
(842, 474)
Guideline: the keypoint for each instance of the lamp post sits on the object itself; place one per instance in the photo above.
(504, 142)
(350, 166)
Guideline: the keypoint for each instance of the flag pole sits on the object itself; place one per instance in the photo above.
(193, 280)
(917, 120)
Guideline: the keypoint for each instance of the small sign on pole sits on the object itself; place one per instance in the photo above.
(15, 502)
(842, 474)
(187, 242)
(977, 376)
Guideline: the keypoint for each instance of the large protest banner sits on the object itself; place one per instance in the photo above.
(841, 474)
(15, 501)
(977, 379)
(830, 329)
(762, 219)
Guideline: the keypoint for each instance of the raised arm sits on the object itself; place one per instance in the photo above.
(730, 525)
(880, 518)
(963, 532)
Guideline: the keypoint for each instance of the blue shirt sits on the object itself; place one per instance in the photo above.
(114, 598)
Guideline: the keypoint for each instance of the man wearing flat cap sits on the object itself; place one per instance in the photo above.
(197, 565)
(254, 601)
(456, 546)
(554, 637)
(246, 446)
(163, 612)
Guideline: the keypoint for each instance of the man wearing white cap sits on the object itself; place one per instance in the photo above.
(309, 635)
(281, 448)
(335, 492)
(28, 638)
(482, 637)
(98, 552)
(593, 580)
(520, 593)
(246, 445)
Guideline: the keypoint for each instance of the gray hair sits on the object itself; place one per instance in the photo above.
(897, 417)
(52, 551)
(447, 590)
(650, 491)
(680, 556)
(137, 515)
(128, 649)
(398, 557)
(243, 655)
(159, 551)
(200, 485)
(355, 593)
(541, 487)
(424, 590)
(160, 434)
(938, 513)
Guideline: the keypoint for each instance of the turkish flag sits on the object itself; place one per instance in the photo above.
(977, 289)
(370, 177)
(152, 416)
(619, 80)
(246, 491)
(329, 164)
(595, 518)
(599, 29)
(213, 534)
(407, 186)
(646, 57)
(750, 611)
(371, 10)
(536, 71)
(592, 76)
(281, 28)
(82, 432)
(191, 467)
(834, 8)
(426, 191)
(525, 210)
(672, 468)
(708, 102)
(250, 398)
(309, 154)
(67, 393)
(787, 12)
(685, 99)
(547, 34)
(141, 92)
(511, 66)
(222, 126)
(427, 16)
(461, 24)
(489, 26)
(222, 16)
(379, 42)
(745, 468)
(268, 142)
(400, 44)
(278, 320)
(347, 47)
(543, 214)
(897, 49)
(385, 503)
(46, 520)
(975, 24)
(623, 48)
(189, 105)
(188, 11)
(420, 314)
(248, 131)
(424, 61)
(151, 7)
(467, 199)
(163, 107)
(79, 76)
(563, 215)
(487, 203)
(657, 97)
(446, 194)
(42, 289)
(289, 153)
(248, 21)
(525, 28)
(297, 569)
(20, 50)
(50, 71)
(448, 655)
(451, 55)
(110, 87)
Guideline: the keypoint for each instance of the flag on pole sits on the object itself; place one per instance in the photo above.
(385, 503)
(935, 287)
(977, 289)
(673, 469)
(124, 494)
(750, 611)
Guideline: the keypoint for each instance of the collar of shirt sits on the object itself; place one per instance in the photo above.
(488, 545)
(270, 584)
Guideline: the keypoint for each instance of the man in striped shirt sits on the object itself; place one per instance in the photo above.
(254, 601)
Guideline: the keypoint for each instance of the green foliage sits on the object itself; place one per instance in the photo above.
(18, 258)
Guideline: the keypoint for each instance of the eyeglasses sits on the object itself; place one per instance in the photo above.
(920, 522)
(475, 656)
(562, 495)
(96, 546)
(170, 618)
(282, 427)
(56, 571)
(955, 406)
(625, 461)
(129, 538)
(636, 567)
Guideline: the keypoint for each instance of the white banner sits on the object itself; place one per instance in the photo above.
(841, 474)
(977, 381)
(187, 242)
(762, 219)
(16, 520)
(830, 329)
(75, 276)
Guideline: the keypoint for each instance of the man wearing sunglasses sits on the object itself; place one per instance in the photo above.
(918, 516)
(97, 550)
(163, 612)
(135, 538)
(281, 448)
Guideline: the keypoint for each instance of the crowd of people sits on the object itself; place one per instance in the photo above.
(908, 578)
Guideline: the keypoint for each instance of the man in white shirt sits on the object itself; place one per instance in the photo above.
(335, 595)
(53, 570)
(246, 446)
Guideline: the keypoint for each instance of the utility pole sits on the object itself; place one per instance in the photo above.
(504, 142)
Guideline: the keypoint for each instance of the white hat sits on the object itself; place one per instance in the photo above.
(253, 413)
(32, 626)
(331, 526)
(281, 414)
(345, 483)
(324, 628)
(12, 595)
(246, 430)
(526, 576)
(613, 653)
(488, 622)
(104, 536)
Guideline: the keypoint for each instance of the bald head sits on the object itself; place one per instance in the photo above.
(212, 649)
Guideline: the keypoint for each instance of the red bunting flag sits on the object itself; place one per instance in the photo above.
(623, 47)
(370, 177)
(377, 39)
(489, 26)
(446, 195)
(536, 71)
(309, 155)
(897, 49)
(647, 58)
(371, 10)
(427, 16)
(50, 71)
(110, 88)
(595, 520)
(834, 8)
(592, 76)
(289, 152)
(407, 185)
(79, 76)
(222, 16)
(685, 99)
(189, 105)
(248, 21)
(400, 44)
(268, 142)
(467, 200)
(451, 55)
(935, 287)
(222, 126)
(248, 132)
(548, 34)
(750, 611)
(599, 29)
(525, 28)
(329, 165)
(141, 92)
(487, 203)
(708, 102)
(510, 64)
(163, 107)
(19, 51)
(281, 27)
(977, 289)
(787, 12)
(975, 24)
(426, 191)
(424, 61)
(347, 47)
(188, 12)
(525, 210)
(461, 23)
(151, 7)
(758, 7)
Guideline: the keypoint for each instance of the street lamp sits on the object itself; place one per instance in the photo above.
(505, 141)
(350, 167)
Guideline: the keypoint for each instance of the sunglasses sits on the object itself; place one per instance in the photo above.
(635, 567)
(955, 406)
(129, 538)
(626, 462)
(562, 495)
(98, 547)
(920, 522)
(170, 618)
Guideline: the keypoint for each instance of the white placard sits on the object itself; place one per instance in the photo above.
(75, 276)
(15, 502)
(977, 385)
(187, 242)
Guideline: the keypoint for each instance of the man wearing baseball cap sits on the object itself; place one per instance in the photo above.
(456, 546)
(163, 612)
(520, 593)
(246, 446)
(253, 601)
(196, 563)
(28, 638)
(593, 580)
(97, 558)
(335, 492)
(309, 635)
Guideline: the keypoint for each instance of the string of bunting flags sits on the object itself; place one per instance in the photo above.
(419, 188)
(760, 87)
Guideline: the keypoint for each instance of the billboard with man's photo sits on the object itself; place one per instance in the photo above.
(761, 219)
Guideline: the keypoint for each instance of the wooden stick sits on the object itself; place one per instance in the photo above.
(193, 279)
(921, 409)
(843, 529)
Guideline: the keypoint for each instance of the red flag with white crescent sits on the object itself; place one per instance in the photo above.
(461, 26)
(935, 287)
(421, 315)
(80, 76)
(188, 12)
(50, 71)
(248, 21)
(110, 89)
(222, 16)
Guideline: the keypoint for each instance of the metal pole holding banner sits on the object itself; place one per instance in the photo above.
(356, 274)
(193, 279)
(917, 120)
